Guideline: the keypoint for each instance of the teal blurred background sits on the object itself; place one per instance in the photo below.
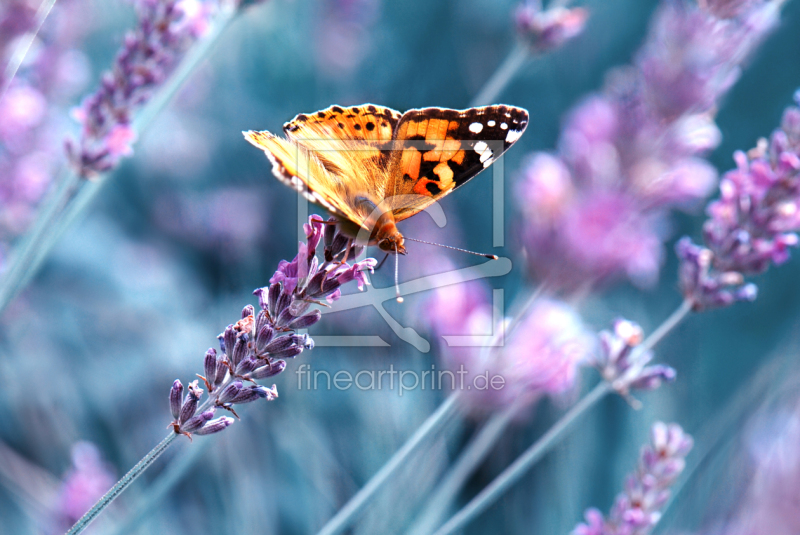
(174, 245)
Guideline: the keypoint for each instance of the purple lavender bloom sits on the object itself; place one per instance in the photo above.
(638, 509)
(752, 225)
(147, 58)
(597, 209)
(256, 345)
(624, 366)
(548, 29)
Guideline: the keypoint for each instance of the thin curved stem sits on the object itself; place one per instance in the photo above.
(666, 327)
(122, 484)
(553, 436)
(524, 462)
(72, 195)
(472, 456)
(502, 76)
(355, 506)
(24, 45)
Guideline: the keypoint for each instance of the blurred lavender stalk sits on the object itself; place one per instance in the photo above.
(149, 70)
(538, 31)
(598, 208)
(623, 361)
(21, 31)
(256, 346)
(638, 509)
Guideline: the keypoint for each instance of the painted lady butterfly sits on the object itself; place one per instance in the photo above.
(371, 166)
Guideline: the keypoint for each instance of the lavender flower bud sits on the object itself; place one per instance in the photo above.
(175, 396)
(222, 371)
(210, 365)
(228, 340)
(197, 421)
(240, 350)
(215, 426)
(288, 353)
(247, 365)
(248, 310)
(280, 343)
(230, 392)
(252, 393)
(264, 338)
(303, 322)
(190, 403)
(273, 298)
(268, 370)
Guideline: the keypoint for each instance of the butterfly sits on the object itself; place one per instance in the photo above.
(371, 166)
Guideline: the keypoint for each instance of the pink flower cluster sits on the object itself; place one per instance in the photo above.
(598, 208)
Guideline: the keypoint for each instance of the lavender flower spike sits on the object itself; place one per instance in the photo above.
(148, 56)
(250, 349)
(752, 225)
(624, 366)
(638, 509)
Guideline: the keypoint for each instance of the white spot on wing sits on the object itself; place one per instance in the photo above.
(476, 128)
(513, 135)
(480, 146)
(486, 155)
(491, 123)
(504, 126)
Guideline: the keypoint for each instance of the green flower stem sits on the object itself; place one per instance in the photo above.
(502, 76)
(355, 506)
(122, 484)
(553, 436)
(72, 195)
(24, 45)
(472, 456)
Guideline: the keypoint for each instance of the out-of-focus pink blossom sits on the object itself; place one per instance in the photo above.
(21, 109)
(540, 356)
(629, 155)
(547, 29)
(88, 479)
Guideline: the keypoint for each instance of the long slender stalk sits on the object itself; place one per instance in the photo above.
(553, 436)
(502, 76)
(472, 456)
(72, 195)
(524, 462)
(122, 484)
(24, 45)
(355, 506)
(166, 480)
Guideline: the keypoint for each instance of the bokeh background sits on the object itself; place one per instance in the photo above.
(173, 246)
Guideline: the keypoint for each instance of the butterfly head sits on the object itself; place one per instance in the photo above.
(392, 244)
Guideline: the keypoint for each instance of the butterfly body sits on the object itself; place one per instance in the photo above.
(372, 167)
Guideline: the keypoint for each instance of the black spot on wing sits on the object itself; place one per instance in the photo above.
(433, 188)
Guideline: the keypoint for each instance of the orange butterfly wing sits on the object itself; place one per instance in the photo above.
(439, 150)
(336, 157)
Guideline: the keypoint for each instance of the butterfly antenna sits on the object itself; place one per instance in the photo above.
(493, 257)
(396, 278)
(382, 262)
